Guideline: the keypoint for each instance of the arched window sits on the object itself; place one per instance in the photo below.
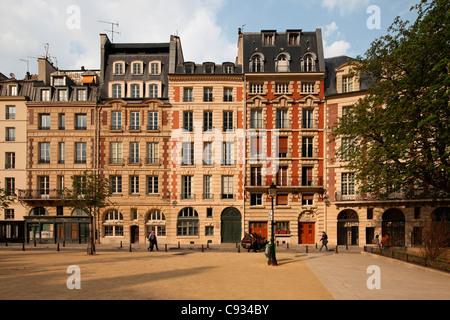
(282, 63)
(156, 221)
(257, 63)
(79, 212)
(113, 224)
(308, 62)
(39, 211)
(187, 222)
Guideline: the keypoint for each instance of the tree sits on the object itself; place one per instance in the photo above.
(402, 125)
(5, 198)
(89, 192)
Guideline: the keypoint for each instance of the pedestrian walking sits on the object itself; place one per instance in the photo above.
(377, 241)
(153, 241)
(324, 240)
(254, 243)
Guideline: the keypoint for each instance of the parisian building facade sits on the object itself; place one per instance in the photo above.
(190, 149)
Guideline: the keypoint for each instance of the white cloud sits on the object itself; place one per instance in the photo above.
(28, 25)
(330, 29)
(337, 48)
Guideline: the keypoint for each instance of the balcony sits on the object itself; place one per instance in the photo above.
(42, 194)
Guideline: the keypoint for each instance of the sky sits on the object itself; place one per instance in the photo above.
(68, 31)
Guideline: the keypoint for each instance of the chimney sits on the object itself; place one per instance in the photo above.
(45, 69)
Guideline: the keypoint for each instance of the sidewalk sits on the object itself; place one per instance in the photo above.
(219, 273)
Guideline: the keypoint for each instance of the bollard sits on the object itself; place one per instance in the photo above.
(203, 250)
(306, 249)
(178, 244)
(207, 245)
(6, 243)
(130, 248)
(336, 249)
(239, 249)
(165, 247)
(64, 243)
(23, 246)
(288, 245)
(121, 244)
(316, 245)
(346, 246)
(35, 242)
(57, 247)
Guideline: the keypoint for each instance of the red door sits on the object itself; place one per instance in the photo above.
(306, 232)
(259, 228)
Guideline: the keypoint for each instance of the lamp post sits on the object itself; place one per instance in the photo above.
(272, 258)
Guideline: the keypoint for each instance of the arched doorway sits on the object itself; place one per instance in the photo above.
(231, 225)
(394, 226)
(348, 228)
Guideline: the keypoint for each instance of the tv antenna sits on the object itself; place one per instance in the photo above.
(116, 24)
(28, 64)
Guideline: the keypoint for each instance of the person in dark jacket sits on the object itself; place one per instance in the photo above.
(153, 241)
(324, 240)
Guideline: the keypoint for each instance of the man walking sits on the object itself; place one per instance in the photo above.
(324, 240)
(153, 241)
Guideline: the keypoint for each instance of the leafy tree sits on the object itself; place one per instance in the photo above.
(89, 192)
(402, 125)
(5, 198)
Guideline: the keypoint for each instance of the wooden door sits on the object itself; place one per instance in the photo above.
(258, 228)
(306, 232)
(134, 234)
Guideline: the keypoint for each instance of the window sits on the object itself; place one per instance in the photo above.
(82, 95)
(112, 224)
(156, 221)
(153, 91)
(80, 122)
(347, 84)
(294, 38)
(80, 152)
(135, 91)
(9, 214)
(137, 68)
(134, 184)
(209, 231)
(347, 147)
(187, 150)
(257, 64)
(61, 121)
(63, 95)
(256, 88)
(10, 134)
(188, 121)
(44, 122)
(227, 187)
(208, 94)
(255, 147)
(307, 176)
(188, 95)
(44, 186)
(308, 64)
(116, 118)
(207, 191)
(228, 153)
(207, 153)
(282, 63)
(255, 176)
(119, 68)
(116, 184)
(282, 176)
(209, 212)
(134, 153)
(61, 152)
(256, 121)
(44, 152)
(282, 119)
(153, 120)
(207, 121)
(256, 199)
(282, 88)
(282, 147)
(269, 39)
(135, 120)
(348, 184)
(116, 153)
(307, 147)
(307, 119)
(152, 185)
(187, 222)
(10, 186)
(228, 68)
(117, 91)
(282, 200)
(152, 153)
(10, 112)
(186, 185)
(308, 87)
(13, 90)
(155, 67)
(10, 160)
(45, 95)
(60, 181)
(228, 94)
(228, 121)
(307, 199)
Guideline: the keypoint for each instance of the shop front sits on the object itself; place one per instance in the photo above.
(57, 229)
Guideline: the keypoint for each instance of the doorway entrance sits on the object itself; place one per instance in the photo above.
(306, 232)
(348, 228)
(231, 225)
(134, 234)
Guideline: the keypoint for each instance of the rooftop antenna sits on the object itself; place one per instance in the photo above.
(112, 28)
(46, 47)
(28, 65)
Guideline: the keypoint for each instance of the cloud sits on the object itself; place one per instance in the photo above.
(28, 25)
(330, 29)
(337, 48)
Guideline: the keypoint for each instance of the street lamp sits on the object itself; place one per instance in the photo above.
(272, 259)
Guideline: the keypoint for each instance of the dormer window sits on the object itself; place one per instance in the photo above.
(63, 95)
(228, 68)
(137, 67)
(189, 68)
(59, 81)
(257, 63)
(308, 62)
(119, 68)
(208, 68)
(13, 90)
(269, 38)
(155, 67)
(282, 63)
(347, 84)
(294, 38)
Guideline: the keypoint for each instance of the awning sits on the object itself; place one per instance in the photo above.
(88, 79)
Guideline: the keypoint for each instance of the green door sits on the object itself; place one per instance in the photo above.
(231, 225)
